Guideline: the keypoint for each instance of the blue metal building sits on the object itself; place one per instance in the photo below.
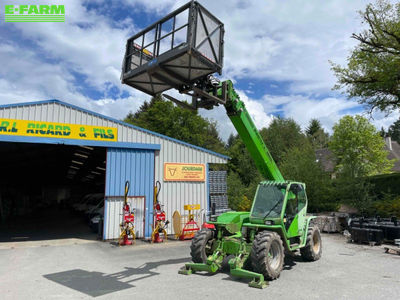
(132, 153)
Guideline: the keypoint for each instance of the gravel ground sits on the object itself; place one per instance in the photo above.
(76, 269)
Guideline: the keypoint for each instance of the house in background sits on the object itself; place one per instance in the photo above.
(394, 152)
(327, 160)
(328, 163)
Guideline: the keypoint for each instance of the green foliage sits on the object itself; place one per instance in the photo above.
(389, 206)
(241, 196)
(386, 184)
(231, 140)
(394, 131)
(241, 162)
(316, 134)
(299, 163)
(313, 127)
(164, 117)
(245, 204)
(295, 156)
(282, 135)
(359, 148)
(236, 190)
(356, 192)
(382, 132)
(372, 72)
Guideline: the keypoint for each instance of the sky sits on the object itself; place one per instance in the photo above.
(276, 52)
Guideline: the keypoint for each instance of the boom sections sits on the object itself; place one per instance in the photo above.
(250, 135)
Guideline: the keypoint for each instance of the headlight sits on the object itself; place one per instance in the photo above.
(269, 222)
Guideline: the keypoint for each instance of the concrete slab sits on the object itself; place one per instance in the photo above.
(150, 271)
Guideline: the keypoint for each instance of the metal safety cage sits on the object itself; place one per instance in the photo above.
(175, 51)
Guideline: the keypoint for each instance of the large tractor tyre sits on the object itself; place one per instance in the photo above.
(202, 245)
(312, 251)
(267, 254)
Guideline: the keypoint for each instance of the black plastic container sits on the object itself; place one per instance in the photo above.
(366, 235)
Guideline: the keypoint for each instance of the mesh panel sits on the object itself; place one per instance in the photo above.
(215, 40)
(200, 31)
(210, 23)
(205, 50)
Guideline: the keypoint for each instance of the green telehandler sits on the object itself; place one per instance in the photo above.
(255, 242)
(182, 51)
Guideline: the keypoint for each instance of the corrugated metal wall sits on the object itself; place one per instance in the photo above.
(173, 194)
(134, 165)
(113, 216)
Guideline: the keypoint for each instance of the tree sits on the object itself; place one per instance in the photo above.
(359, 148)
(316, 134)
(281, 135)
(231, 140)
(394, 131)
(300, 164)
(382, 132)
(313, 127)
(242, 163)
(236, 190)
(164, 117)
(372, 73)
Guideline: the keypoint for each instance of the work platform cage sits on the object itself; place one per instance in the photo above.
(174, 52)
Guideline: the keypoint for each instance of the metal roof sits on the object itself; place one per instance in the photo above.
(114, 120)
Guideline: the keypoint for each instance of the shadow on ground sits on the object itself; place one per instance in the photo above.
(97, 284)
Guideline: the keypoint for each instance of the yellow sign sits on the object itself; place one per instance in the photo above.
(57, 130)
(184, 172)
(191, 207)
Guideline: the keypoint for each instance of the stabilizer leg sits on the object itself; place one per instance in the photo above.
(212, 265)
(236, 269)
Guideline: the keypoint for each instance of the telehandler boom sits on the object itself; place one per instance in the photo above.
(254, 243)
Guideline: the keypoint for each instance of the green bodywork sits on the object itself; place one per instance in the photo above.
(274, 199)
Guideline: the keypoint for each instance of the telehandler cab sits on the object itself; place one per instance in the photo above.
(182, 51)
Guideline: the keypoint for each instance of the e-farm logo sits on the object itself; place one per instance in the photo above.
(34, 13)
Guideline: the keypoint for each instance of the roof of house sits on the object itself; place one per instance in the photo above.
(394, 153)
(327, 158)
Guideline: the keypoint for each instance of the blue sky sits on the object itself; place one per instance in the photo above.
(276, 52)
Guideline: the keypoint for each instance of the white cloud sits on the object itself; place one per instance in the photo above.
(255, 108)
(302, 109)
(380, 119)
(27, 78)
(87, 44)
(281, 40)
(289, 41)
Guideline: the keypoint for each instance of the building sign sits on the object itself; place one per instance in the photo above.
(57, 130)
(184, 172)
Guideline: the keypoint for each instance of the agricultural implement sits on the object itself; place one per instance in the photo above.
(128, 218)
(160, 223)
(186, 226)
(182, 51)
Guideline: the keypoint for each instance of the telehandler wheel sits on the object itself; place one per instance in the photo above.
(267, 254)
(313, 249)
(202, 245)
